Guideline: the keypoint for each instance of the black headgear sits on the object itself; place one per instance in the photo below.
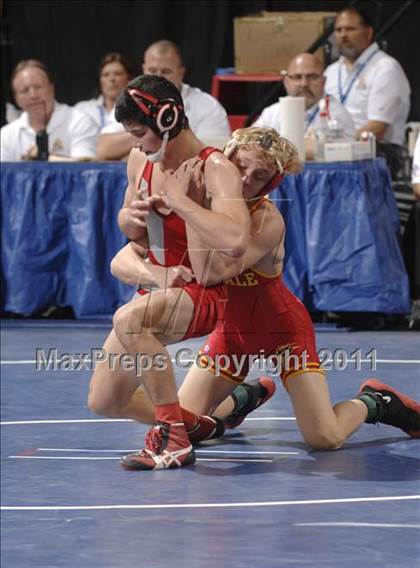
(162, 116)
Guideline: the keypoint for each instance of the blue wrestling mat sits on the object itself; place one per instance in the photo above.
(258, 498)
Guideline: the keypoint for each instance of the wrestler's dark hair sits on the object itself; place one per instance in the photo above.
(128, 110)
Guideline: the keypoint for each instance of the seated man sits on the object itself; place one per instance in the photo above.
(207, 117)
(305, 79)
(68, 134)
(369, 83)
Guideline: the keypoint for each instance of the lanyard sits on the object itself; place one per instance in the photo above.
(343, 96)
(312, 117)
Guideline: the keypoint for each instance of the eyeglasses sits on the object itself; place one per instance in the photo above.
(309, 77)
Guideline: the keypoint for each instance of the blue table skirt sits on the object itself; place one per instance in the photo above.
(342, 238)
(60, 232)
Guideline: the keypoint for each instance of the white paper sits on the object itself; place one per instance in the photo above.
(292, 122)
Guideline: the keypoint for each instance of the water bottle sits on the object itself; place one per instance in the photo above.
(335, 132)
(329, 130)
(322, 133)
(321, 137)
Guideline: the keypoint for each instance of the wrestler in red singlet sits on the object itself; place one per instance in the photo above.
(168, 246)
(263, 317)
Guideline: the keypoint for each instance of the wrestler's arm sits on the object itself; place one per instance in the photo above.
(131, 267)
(226, 226)
(131, 217)
(266, 241)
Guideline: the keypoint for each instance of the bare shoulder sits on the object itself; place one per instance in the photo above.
(221, 176)
(135, 164)
(217, 161)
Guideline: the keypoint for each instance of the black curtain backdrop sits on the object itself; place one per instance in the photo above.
(72, 36)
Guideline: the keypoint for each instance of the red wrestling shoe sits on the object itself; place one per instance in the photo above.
(167, 446)
(248, 397)
(207, 428)
(392, 407)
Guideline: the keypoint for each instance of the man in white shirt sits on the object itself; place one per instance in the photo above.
(372, 85)
(71, 134)
(206, 116)
(305, 79)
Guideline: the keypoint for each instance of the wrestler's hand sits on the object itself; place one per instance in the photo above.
(176, 277)
(137, 212)
(183, 276)
(177, 183)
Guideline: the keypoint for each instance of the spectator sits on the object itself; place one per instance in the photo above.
(369, 83)
(305, 78)
(71, 134)
(207, 117)
(114, 73)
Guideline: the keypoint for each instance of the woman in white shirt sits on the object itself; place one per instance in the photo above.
(114, 73)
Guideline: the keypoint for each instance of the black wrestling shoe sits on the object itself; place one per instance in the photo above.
(248, 397)
(392, 407)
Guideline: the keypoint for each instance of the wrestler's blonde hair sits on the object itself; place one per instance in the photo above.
(273, 146)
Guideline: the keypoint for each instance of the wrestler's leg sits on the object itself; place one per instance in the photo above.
(199, 395)
(201, 391)
(323, 426)
(117, 393)
(204, 393)
(145, 327)
(327, 427)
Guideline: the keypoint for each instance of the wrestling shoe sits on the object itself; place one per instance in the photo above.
(207, 428)
(248, 397)
(167, 446)
(392, 407)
